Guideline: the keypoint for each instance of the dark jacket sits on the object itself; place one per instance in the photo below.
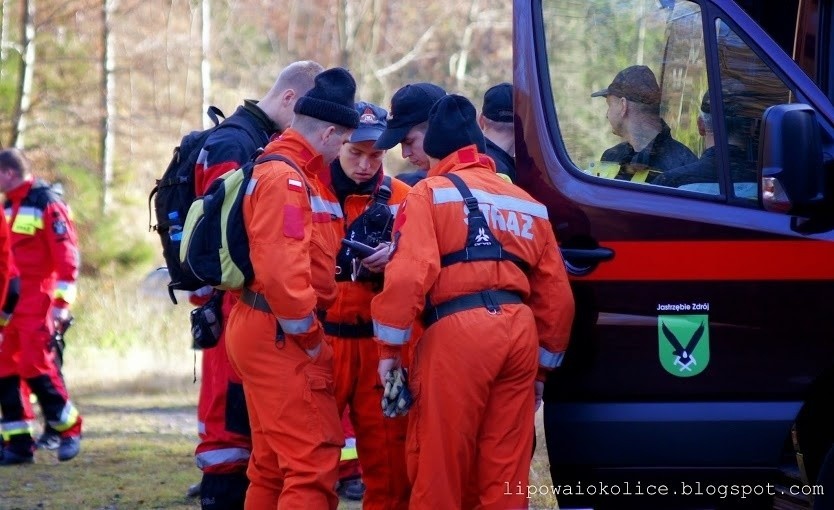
(706, 169)
(661, 154)
(229, 149)
(504, 163)
(344, 185)
(412, 178)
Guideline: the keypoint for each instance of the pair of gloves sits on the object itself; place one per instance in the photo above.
(396, 397)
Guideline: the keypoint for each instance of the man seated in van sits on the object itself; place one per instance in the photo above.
(742, 169)
(633, 99)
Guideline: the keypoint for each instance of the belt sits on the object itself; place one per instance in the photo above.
(345, 330)
(255, 300)
(258, 301)
(489, 299)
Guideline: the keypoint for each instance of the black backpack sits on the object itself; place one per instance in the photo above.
(173, 195)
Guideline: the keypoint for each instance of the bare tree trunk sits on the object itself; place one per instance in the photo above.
(27, 73)
(205, 61)
(377, 30)
(344, 36)
(641, 36)
(291, 26)
(108, 104)
(465, 45)
(4, 31)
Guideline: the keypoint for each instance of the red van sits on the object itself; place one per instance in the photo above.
(696, 217)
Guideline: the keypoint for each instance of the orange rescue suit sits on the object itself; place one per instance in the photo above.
(296, 429)
(472, 372)
(380, 441)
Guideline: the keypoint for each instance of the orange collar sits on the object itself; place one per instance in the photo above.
(467, 157)
(292, 144)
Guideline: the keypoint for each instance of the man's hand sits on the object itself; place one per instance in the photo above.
(376, 263)
(60, 316)
(539, 390)
(385, 366)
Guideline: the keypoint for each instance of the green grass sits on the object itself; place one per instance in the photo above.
(130, 371)
(137, 452)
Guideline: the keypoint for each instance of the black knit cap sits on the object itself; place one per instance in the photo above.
(331, 99)
(452, 126)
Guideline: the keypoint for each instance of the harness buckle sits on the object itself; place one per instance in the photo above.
(471, 203)
(492, 307)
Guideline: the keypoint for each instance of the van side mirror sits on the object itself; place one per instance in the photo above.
(790, 152)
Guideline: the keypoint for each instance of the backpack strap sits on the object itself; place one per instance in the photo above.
(481, 244)
(215, 113)
(382, 195)
(279, 157)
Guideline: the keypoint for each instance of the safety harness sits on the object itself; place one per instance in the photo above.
(481, 245)
(371, 227)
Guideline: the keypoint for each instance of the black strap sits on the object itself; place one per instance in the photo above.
(489, 299)
(345, 330)
(255, 300)
(481, 244)
(383, 193)
(215, 114)
(279, 157)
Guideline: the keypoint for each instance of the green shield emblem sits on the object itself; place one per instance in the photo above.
(683, 343)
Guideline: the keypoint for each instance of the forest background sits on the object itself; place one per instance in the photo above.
(98, 92)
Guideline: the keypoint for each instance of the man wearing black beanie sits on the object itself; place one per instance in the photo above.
(477, 255)
(274, 338)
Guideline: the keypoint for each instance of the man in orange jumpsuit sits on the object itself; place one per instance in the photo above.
(369, 201)
(223, 425)
(45, 251)
(478, 257)
(274, 338)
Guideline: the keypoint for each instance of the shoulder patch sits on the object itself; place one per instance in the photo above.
(295, 185)
(59, 227)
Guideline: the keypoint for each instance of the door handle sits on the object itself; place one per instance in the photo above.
(581, 261)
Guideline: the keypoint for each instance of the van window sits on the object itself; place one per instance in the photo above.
(632, 95)
(748, 88)
(622, 114)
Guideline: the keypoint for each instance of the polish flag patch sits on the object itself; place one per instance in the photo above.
(295, 185)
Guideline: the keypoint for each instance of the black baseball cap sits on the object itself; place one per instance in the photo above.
(498, 103)
(409, 107)
(635, 83)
